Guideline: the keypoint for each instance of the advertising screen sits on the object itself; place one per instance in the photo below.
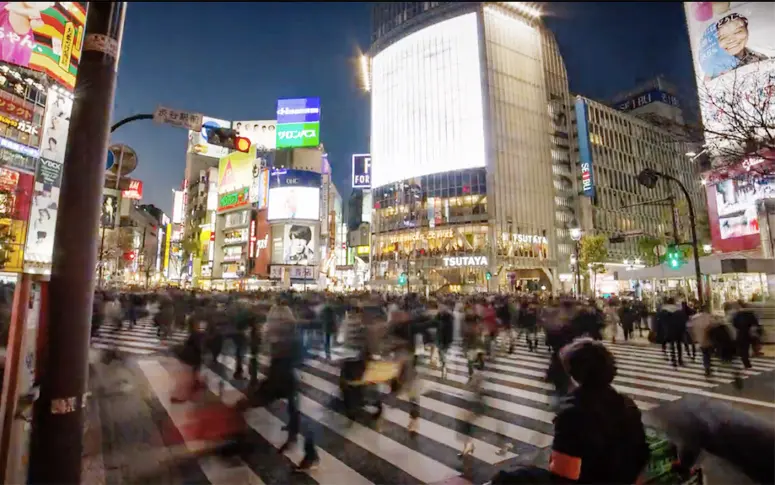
(44, 36)
(294, 203)
(109, 211)
(298, 110)
(736, 205)
(361, 171)
(427, 110)
(197, 141)
(235, 171)
(55, 125)
(298, 135)
(299, 243)
(177, 207)
(260, 133)
(733, 47)
(43, 216)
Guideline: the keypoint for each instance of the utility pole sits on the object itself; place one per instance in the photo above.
(57, 431)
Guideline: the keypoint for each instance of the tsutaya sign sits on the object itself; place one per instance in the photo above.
(458, 261)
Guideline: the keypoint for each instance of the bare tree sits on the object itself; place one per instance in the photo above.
(118, 242)
(739, 115)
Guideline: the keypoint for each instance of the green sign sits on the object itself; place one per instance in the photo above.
(232, 200)
(296, 135)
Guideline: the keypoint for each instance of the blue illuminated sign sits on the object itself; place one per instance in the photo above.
(294, 178)
(298, 110)
(585, 149)
(361, 171)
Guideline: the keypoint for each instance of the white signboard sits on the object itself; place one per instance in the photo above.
(181, 119)
(458, 261)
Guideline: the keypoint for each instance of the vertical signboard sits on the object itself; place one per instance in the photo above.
(361, 171)
(43, 215)
(167, 244)
(585, 149)
(56, 124)
(109, 211)
(733, 48)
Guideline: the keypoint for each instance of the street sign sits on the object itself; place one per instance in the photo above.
(181, 119)
(110, 161)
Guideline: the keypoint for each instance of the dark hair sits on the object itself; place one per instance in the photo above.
(731, 17)
(588, 362)
(300, 232)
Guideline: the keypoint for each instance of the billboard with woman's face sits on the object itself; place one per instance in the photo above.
(733, 47)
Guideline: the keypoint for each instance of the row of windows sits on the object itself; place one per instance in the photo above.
(447, 184)
(387, 16)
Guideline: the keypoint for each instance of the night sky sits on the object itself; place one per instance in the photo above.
(233, 60)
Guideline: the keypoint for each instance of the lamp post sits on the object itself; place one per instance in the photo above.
(575, 234)
(648, 178)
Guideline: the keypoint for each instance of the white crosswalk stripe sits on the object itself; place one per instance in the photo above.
(518, 411)
(141, 339)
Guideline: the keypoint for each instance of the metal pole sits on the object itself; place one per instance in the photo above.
(675, 219)
(102, 229)
(578, 273)
(695, 249)
(57, 431)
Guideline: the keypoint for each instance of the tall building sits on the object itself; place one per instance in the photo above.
(613, 147)
(472, 180)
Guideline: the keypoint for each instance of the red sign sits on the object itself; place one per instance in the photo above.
(15, 106)
(135, 190)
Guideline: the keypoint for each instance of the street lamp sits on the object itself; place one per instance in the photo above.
(575, 234)
(648, 178)
(707, 248)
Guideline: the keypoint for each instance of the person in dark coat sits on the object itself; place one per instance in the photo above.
(747, 327)
(671, 330)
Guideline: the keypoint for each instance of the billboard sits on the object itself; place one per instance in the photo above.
(361, 171)
(235, 171)
(299, 244)
(428, 99)
(645, 98)
(261, 133)
(298, 110)
(736, 205)
(55, 125)
(294, 203)
(298, 135)
(109, 211)
(197, 141)
(260, 247)
(734, 60)
(261, 188)
(233, 200)
(134, 191)
(177, 207)
(43, 215)
(585, 148)
(43, 36)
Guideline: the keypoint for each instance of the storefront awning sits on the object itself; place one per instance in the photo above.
(714, 264)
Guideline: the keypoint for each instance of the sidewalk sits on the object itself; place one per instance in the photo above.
(126, 430)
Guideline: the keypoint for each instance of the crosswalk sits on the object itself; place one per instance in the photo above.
(516, 423)
(141, 340)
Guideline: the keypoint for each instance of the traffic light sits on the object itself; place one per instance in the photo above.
(242, 144)
(227, 138)
(129, 256)
(402, 279)
(674, 257)
(488, 276)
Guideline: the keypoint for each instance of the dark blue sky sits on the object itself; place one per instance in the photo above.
(233, 60)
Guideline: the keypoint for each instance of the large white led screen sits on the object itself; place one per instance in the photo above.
(427, 107)
(294, 203)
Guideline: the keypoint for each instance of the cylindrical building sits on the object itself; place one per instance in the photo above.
(472, 178)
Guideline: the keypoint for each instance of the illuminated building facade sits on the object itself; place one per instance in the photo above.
(470, 145)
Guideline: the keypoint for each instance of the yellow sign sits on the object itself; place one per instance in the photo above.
(167, 242)
(12, 250)
(235, 171)
(362, 250)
